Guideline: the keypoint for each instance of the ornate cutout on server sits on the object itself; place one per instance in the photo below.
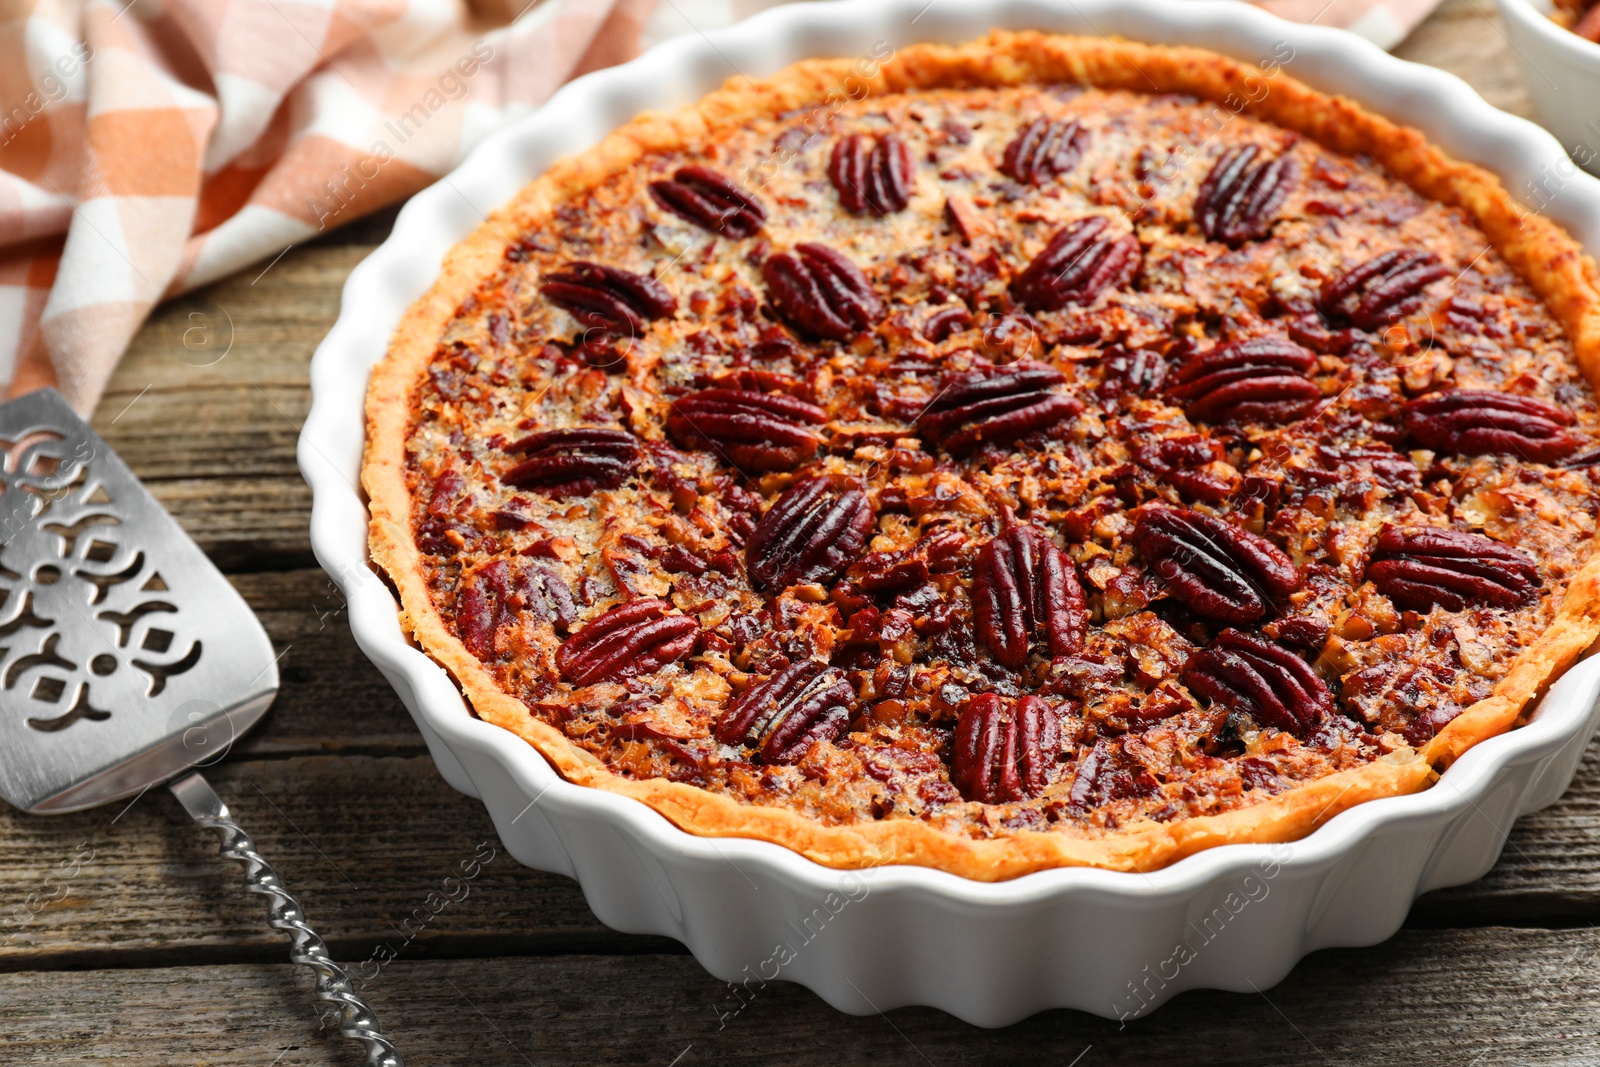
(88, 622)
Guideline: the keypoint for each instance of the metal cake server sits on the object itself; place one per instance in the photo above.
(126, 658)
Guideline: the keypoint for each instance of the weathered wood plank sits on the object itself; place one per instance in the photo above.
(244, 524)
(1467, 38)
(362, 840)
(332, 700)
(1426, 997)
(207, 406)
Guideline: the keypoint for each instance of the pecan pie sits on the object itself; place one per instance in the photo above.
(1043, 451)
(1582, 17)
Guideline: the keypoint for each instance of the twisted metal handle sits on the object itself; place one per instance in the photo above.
(333, 985)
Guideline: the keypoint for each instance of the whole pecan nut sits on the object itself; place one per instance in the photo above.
(711, 201)
(1044, 149)
(872, 174)
(1484, 421)
(754, 431)
(1382, 290)
(608, 298)
(1252, 675)
(786, 714)
(811, 534)
(1025, 589)
(1213, 568)
(630, 639)
(1264, 379)
(573, 462)
(1004, 749)
(1239, 200)
(1419, 567)
(1080, 262)
(995, 405)
(821, 293)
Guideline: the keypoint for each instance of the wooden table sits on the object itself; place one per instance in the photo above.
(131, 941)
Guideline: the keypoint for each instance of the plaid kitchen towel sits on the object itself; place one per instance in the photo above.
(151, 146)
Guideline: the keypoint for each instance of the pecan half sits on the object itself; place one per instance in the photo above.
(811, 534)
(1213, 568)
(1589, 457)
(966, 221)
(1264, 379)
(710, 201)
(995, 405)
(1004, 749)
(502, 592)
(946, 321)
(573, 462)
(754, 431)
(630, 639)
(1249, 674)
(1382, 290)
(1109, 774)
(785, 715)
(1483, 421)
(1240, 198)
(1044, 149)
(1190, 463)
(1130, 372)
(1419, 567)
(1025, 589)
(545, 595)
(873, 174)
(1078, 264)
(821, 293)
(479, 605)
(608, 298)
(938, 552)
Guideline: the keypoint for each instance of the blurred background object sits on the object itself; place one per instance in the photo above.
(1561, 68)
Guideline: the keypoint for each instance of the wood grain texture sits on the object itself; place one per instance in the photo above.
(1468, 39)
(361, 842)
(124, 937)
(207, 405)
(333, 699)
(1448, 997)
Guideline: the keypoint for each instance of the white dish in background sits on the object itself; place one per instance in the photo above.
(1562, 73)
(1115, 944)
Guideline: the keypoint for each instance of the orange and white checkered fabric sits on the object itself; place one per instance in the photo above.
(150, 147)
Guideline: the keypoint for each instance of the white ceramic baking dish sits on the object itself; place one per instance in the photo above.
(1115, 944)
(1562, 73)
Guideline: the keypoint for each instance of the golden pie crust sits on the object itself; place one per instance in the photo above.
(1544, 256)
